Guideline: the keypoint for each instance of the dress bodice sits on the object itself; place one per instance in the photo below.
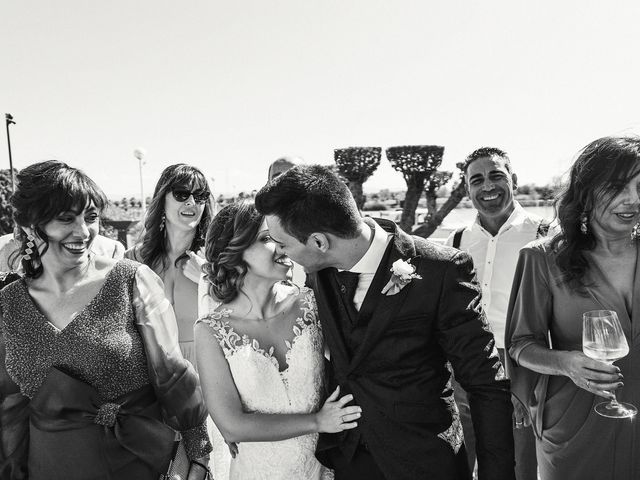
(265, 386)
(101, 346)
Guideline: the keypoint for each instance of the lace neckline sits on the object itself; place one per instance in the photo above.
(231, 341)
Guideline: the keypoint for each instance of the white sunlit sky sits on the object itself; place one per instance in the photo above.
(230, 86)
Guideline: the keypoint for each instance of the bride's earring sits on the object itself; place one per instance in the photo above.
(635, 232)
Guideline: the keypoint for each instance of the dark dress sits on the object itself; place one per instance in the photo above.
(105, 394)
(572, 440)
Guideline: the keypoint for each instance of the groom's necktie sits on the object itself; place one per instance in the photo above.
(348, 283)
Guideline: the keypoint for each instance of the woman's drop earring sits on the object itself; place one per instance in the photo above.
(30, 246)
(584, 227)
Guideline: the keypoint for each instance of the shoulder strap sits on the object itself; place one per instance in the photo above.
(457, 237)
(543, 229)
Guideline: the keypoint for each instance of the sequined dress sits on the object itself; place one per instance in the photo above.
(100, 392)
(265, 388)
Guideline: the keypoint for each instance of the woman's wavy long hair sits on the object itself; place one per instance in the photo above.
(601, 171)
(43, 191)
(153, 248)
(232, 231)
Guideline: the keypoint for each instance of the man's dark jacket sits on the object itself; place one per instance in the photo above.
(399, 373)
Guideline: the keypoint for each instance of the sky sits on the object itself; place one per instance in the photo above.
(231, 86)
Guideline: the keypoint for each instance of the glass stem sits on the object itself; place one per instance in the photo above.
(614, 401)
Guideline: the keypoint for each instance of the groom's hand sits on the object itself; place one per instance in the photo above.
(335, 416)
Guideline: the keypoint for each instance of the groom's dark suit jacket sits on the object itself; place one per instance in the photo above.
(394, 358)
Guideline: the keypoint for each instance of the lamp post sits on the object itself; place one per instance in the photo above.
(8, 121)
(140, 153)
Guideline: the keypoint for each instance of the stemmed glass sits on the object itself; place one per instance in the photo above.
(604, 340)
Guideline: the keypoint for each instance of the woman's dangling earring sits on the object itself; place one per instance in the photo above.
(162, 222)
(635, 232)
(30, 246)
(584, 227)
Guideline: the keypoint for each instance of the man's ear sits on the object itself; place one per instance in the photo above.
(514, 178)
(319, 241)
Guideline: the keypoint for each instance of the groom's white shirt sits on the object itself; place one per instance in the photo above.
(368, 264)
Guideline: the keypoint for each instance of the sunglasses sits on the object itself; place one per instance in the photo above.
(181, 195)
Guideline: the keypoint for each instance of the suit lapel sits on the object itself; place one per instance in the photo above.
(327, 306)
(402, 247)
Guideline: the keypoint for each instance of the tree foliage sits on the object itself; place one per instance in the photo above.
(6, 215)
(434, 220)
(417, 163)
(356, 165)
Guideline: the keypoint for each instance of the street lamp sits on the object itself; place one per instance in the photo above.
(140, 153)
(8, 118)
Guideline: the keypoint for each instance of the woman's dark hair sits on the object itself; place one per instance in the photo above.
(44, 190)
(153, 250)
(232, 231)
(601, 171)
(308, 199)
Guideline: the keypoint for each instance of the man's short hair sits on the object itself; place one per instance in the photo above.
(281, 165)
(308, 199)
(486, 152)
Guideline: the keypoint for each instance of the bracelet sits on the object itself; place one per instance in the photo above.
(202, 465)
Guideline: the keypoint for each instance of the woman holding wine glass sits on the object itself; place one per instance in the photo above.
(592, 265)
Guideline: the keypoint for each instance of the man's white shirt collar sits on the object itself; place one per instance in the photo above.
(517, 218)
(370, 262)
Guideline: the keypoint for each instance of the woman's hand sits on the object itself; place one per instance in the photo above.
(520, 414)
(592, 375)
(335, 416)
(192, 268)
(199, 469)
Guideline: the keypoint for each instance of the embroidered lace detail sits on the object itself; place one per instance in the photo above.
(264, 388)
(453, 435)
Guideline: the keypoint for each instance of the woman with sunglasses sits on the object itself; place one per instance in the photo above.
(174, 232)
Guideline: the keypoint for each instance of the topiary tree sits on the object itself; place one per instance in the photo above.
(356, 165)
(434, 221)
(435, 182)
(6, 214)
(417, 163)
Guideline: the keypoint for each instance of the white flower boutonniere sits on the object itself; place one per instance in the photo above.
(402, 274)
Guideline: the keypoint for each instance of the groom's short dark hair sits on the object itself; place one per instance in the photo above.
(308, 199)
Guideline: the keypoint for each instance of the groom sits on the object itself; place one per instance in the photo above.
(398, 312)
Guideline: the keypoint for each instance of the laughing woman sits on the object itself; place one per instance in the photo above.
(175, 228)
(91, 374)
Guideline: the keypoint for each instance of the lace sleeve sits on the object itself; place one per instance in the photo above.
(309, 307)
(173, 378)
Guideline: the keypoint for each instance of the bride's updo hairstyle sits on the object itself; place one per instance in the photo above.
(230, 233)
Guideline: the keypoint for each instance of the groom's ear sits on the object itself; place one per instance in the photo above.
(318, 241)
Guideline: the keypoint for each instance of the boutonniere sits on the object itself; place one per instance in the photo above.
(402, 272)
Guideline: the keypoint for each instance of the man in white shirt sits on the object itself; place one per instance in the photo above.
(494, 240)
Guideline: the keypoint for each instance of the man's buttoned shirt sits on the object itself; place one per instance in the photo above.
(495, 259)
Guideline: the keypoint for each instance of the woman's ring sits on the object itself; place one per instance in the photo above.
(520, 424)
(588, 384)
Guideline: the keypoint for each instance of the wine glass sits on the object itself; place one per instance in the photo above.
(604, 340)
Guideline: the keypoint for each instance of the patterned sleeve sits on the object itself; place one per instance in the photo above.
(173, 378)
(14, 423)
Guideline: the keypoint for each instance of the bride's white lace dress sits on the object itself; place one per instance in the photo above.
(267, 387)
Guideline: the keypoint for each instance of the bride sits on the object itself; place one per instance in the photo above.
(260, 355)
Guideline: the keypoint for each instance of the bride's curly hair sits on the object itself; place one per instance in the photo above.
(230, 233)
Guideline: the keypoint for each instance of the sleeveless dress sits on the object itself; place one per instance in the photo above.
(266, 388)
(95, 399)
